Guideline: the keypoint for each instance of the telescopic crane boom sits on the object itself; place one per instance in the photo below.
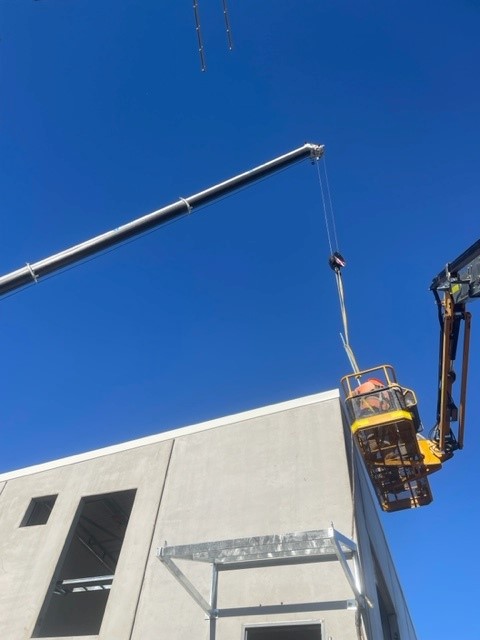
(32, 272)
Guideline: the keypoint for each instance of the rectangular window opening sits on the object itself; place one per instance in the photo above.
(76, 600)
(285, 632)
(38, 511)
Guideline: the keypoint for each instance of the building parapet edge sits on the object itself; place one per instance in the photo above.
(173, 433)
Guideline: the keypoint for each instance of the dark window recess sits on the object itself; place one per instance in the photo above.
(386, 607)
(285, 632)
(38, 511)
(78, 594)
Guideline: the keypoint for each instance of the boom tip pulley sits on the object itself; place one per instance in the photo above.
(316, 151)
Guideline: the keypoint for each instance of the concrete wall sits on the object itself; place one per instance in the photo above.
(274, 470)
(29, 555)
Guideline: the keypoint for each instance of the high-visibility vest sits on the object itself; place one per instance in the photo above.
(372, 401)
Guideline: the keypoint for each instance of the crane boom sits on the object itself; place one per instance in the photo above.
(32, 272)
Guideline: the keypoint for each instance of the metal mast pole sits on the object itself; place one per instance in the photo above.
(32, 272)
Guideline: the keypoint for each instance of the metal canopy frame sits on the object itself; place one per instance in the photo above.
(323, 545)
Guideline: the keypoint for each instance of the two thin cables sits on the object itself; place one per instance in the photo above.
(336, 260)
(198, 31)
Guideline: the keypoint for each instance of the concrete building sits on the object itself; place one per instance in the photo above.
(255, 526)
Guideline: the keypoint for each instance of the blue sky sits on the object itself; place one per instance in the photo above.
(105, 115)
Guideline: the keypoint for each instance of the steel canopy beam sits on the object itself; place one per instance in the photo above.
(310, 546)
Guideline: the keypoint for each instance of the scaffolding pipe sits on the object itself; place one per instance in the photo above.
(32, 272)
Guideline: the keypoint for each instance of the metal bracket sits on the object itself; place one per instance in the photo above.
(32, 272)
(186, 202)
(266, 551)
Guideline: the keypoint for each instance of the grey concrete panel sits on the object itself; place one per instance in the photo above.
(150, 467)
(274, 474)
(29, 555)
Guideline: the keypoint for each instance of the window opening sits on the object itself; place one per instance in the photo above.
(285, 632)
(38, 511)
(76, 600)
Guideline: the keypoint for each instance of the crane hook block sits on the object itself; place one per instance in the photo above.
(336, 261)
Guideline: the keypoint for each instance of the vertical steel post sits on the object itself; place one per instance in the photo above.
(213, 602)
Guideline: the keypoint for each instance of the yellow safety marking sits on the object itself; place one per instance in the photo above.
(382, 419)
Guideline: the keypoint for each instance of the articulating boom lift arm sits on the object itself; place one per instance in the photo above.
(460, 283)
(34, 271)
(384, 416)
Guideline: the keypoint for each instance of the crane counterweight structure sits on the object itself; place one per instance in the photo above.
(32, 272)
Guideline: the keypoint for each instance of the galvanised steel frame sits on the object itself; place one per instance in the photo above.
(323, 545)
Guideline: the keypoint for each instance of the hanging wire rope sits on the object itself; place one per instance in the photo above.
(327, 226)
(227, 25)
(336, 262)
(198, 30)
(334, 227)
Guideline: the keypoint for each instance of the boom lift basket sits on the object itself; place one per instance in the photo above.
(384, 421)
